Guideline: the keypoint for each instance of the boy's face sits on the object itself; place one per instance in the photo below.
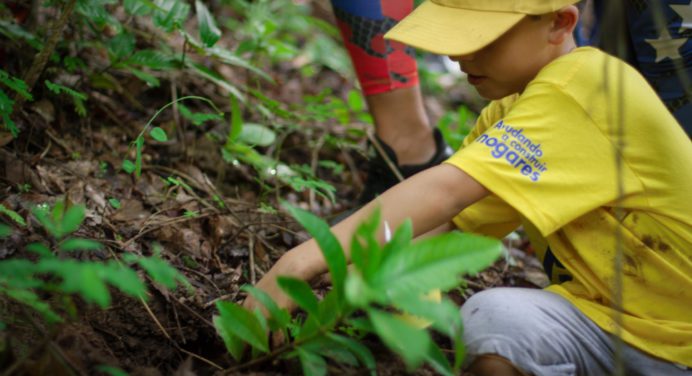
(508, 64)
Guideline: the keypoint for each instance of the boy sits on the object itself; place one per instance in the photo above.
(547, 154)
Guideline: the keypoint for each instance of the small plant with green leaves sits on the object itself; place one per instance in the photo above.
(52, 270)
(385, 281)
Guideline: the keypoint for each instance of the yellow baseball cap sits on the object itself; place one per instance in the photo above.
(459, 27)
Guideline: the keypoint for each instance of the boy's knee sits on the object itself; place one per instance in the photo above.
(495, 365)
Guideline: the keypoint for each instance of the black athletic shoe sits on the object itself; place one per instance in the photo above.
(381, 176)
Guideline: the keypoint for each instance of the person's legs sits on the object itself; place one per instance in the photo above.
(541, 333)
(388, 75)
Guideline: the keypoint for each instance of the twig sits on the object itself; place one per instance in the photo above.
(385, 157)
(314, 159)
(41, 59)
(251, 253)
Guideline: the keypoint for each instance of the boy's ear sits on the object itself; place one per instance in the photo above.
(564, 22)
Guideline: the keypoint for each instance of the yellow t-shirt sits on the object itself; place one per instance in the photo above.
(548, 157)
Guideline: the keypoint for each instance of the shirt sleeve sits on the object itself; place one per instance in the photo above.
(547, 159)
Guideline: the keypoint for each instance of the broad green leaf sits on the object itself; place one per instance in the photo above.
(233, 344)
(257, 134)
(367, 254)
(301, 293)
(359, 350)
(278, 318)
(411, 343)
(328, 348)
(355, 101)
(79, 277)
(73, 218)
(434, 263)
(124, 279)
(438, 361)
(150, 79)
(243, 324)
(139, 7)
(313, 364)
(158, 134)
(401, 239)
(444, 315)
(172, 15)
(39, 249)
(330, 309)
(79, 244)
(229, 57)
(128, 166)
(161, 272)
(359, 294)
(215, 78)
(208, 31)
(121, 45)
(329, 245)
(5, 230)
(110, 370)
(32, 300)
(13, 215)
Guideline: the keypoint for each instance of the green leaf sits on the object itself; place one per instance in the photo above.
(301, 293)
(16, 84)
(444, 315)
(158, 134)
(115, 203)
(124, 279)
(13, 215)
(5, 230)
(438, 361)
(110, 370)
(39, 249)
(172, 14)
(234, 345)
(236, 121)
(230, 58)
(73, 244)
(79, 277)
(73, 218)
(139, 7)
(121, 45)
(32, 300)
(367, 254)
(434, 263)
(150, 79)
(162, 272)
(128, 166)
(198, 118)
(77, 97)
(278, 318)
(257, 134)
(359, 350)
(208, 31)
(153, 59)
(355, 101)
(313, 364)
(329, 245)
(411, 343)
(243, 324)
(215, 78)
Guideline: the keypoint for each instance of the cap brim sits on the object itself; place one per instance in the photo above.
(451, 31)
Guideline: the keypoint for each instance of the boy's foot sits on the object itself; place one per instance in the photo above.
(384, 171)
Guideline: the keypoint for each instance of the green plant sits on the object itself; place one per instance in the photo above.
(455, 126)
(52, 270)
(395, 276)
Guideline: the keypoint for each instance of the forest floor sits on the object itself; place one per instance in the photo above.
(220, 228)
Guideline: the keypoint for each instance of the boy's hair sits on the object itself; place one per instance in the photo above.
(436, 25)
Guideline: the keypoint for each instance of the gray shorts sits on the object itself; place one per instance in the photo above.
(544, 334)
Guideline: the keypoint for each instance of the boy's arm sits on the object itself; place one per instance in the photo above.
(430, 199)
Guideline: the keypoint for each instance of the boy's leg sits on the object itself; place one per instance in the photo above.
(388, 75)
(542, 333)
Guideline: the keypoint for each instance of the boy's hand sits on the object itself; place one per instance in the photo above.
(284, 267)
